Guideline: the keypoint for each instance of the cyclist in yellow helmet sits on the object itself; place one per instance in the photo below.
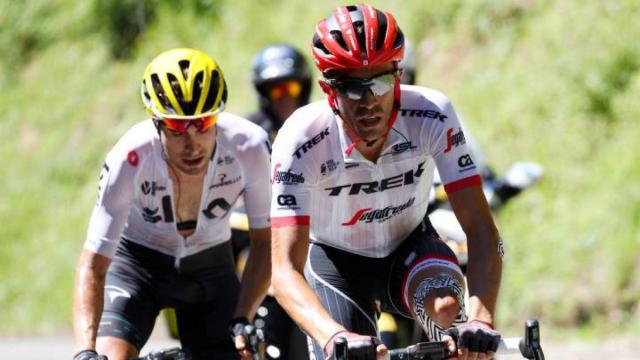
(159, 233)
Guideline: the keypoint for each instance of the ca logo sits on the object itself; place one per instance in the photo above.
(465, 160)
(287, 200)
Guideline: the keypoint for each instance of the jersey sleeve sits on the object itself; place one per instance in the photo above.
(291, 182)
(450, 150)
(115, 193)
(257, 192)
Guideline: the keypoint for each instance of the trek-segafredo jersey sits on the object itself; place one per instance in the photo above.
(135, 193)
(352, 203)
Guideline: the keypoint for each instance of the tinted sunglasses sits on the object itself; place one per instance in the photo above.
(291, 88)
(181, 126)
(354, 88)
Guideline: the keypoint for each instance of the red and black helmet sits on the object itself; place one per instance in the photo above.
(355, 36)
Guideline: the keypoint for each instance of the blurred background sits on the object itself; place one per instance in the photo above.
(554, 82)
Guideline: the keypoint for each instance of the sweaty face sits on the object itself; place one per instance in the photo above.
(368, 116)
(189, 152)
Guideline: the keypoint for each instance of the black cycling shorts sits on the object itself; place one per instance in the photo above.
(354, 288)
(203, 290)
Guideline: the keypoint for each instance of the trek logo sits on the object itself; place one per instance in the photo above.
(217, 208)
(287, 200)
(454, 140)
(224, 182)
(431, 114)
(151, 215)
(150, 188)
(328, 166)
(311, 143)
(286, 177)
(466, 163)
(226, 160)
(400, 180)
(380, 215)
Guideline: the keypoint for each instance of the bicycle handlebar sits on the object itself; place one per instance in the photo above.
(528, 346)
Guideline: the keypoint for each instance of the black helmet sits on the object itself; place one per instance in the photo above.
(280, 62)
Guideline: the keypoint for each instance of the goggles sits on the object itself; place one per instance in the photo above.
(181, 126)
(290, 88)
(354, 88)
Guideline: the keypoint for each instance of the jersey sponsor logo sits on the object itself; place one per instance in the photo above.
(466, 163)
(379, 215)
(102, 180)
(392, 182)
(402, 147)
(224, 182)
(328, 166)
(286, 177)
(454, 140)
(311, 143)
(150, 187)
(132, 158)
(287, 200)
(225, 160)
(217, 208)
(151, 215)
(430, 114)
(351, 165)
(115, 292)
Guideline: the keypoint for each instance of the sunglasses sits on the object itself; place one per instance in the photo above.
(290, 88)
(354, 88)
(180, 126)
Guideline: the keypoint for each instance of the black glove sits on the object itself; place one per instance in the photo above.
(476, 336)
(363, 348)
(89, 355)
(236, 326)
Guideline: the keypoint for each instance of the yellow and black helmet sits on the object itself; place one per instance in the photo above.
(183, 83)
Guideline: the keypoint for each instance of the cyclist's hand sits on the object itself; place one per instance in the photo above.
(474, 340)
(236, 330)
(359, 347)
(89, 355)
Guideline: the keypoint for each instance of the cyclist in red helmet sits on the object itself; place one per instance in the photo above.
(350, 180)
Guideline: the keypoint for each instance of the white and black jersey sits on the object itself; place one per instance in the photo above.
(356, 205)
(135, 195)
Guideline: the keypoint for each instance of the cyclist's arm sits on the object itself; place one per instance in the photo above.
(484, 267)
(289, 254)
(88, 298)
(257, 273)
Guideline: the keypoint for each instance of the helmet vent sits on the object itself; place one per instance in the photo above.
(184, 67)
(213, 91)
(382, 29)
(164, 100)
(399, 40)
(337, 36)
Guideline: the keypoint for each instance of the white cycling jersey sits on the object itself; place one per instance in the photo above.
(135, 193)
(352, 203)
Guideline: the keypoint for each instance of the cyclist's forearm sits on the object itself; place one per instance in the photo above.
(255, 278)
(484, 272)
(302, 304)
(87, 307)
(88, 298)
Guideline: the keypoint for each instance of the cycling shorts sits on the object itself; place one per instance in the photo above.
(203, 290)
(354, 288)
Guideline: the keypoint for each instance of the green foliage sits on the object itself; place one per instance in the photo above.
(556, 82)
